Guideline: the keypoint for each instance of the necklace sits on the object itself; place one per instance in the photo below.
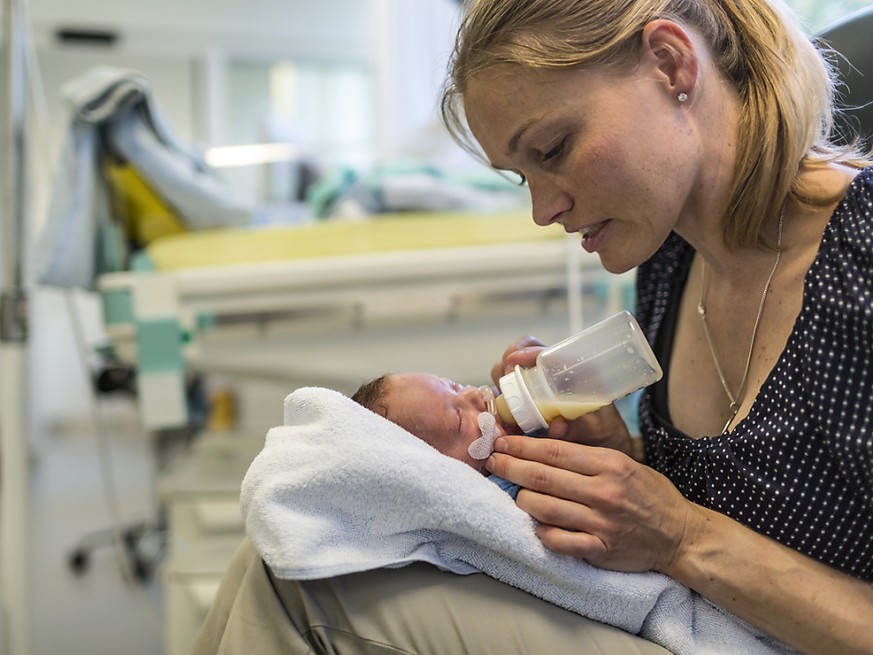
(701, 310)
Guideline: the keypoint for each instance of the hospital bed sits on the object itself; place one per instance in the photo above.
(332, 290)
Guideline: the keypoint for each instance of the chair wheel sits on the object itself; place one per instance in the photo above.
(79, 561)
(142, 571)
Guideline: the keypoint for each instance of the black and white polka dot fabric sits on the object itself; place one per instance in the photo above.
(799, 468)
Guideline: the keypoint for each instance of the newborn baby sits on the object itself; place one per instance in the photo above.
(459, 421)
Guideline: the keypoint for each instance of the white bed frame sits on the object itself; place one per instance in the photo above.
(147, 315)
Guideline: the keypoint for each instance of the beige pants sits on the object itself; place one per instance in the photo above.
(414, 610)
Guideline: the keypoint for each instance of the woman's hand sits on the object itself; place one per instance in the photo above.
(597, 504)
(604, 428)
(521, 352)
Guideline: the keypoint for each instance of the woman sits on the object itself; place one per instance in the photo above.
(690, 139)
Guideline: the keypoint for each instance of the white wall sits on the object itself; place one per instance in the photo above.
(176, 43)
(412, 41)
(318, 28)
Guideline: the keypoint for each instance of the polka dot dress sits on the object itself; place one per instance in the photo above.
(799, 468)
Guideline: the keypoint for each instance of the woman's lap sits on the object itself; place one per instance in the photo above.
(422, 610)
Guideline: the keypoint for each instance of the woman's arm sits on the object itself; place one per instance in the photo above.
(806, 604)
(600, 505)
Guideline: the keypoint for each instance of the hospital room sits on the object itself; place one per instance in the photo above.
(224, 217)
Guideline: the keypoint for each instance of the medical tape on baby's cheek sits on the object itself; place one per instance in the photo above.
(484, 445)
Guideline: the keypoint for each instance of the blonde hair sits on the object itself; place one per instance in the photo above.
(785, 82)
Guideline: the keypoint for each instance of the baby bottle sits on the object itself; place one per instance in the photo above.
(593, 368)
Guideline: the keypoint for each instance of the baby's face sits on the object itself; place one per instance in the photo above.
(440, 412)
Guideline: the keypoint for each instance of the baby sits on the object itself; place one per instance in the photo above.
(457, 420)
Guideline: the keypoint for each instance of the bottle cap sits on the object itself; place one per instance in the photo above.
(520, 403)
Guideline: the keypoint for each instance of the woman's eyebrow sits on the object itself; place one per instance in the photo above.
(512, 147)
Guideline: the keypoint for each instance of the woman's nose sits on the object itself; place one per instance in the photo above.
(548, 202)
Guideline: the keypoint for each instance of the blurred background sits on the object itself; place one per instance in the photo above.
(307, 112)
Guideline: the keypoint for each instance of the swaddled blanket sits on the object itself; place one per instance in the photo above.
(338, 489)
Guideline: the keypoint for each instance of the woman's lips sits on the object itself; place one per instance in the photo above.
(593, 236)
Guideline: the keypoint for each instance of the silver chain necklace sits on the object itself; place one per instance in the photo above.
(701, 310)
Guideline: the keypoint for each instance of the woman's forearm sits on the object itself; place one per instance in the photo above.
(808, 605)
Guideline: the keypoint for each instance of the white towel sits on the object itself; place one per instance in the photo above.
(338, 489)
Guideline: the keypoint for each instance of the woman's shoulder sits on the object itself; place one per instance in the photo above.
(839, 283)
(850, 228)
(857, 184)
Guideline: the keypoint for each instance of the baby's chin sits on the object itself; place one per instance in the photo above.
(477, 465)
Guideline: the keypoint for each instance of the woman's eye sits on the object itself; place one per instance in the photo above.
(554, 152)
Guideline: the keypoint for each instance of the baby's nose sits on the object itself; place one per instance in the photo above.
(473, 396)
(482, 397)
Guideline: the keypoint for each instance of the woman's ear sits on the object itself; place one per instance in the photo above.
(670, 51)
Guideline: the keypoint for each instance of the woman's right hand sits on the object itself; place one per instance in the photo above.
(598, 504)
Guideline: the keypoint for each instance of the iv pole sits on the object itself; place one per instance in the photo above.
(14, 466)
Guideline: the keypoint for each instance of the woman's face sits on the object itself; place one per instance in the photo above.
(438, 411)
(611, 156)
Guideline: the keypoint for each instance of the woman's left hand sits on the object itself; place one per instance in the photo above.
(597, 504)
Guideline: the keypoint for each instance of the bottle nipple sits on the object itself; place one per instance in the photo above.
(503, 411)
(488, 397)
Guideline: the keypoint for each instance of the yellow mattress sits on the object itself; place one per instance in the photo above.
(340, 238)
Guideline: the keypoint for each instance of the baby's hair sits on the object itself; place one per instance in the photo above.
(372, 394)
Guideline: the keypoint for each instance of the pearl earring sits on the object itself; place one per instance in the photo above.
(682, 97)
